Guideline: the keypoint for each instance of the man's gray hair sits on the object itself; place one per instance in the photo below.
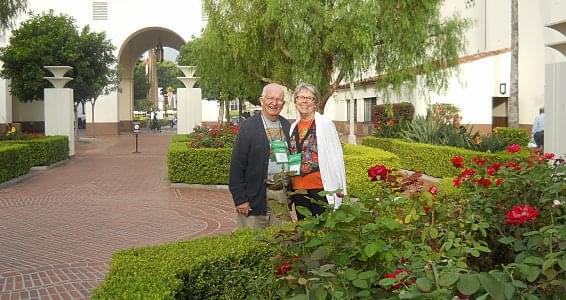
(303, 86)
(272, 86)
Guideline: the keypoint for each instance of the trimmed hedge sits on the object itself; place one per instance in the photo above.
(212, 165)
(15, 160)
(358, 159)
(179, 138)
(45, 150)
(432, 160)
(220, 267)
(198, 165)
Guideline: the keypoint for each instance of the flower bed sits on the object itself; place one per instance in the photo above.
(429, 159)
(504, 238)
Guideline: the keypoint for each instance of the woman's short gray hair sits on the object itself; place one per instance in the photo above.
(303, 86)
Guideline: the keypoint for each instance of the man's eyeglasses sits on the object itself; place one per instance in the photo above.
(273, 99)
(305, 98)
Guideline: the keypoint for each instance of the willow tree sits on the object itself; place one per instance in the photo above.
(221, 77)
(326, 41)
(9, 10)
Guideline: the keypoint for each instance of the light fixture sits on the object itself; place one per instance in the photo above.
(159, 53)
(502, 88)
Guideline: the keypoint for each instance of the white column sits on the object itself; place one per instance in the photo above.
(195, 108)
(58, 104)
(555, 109)
(183, 126)
(5, 101)
(352, 135)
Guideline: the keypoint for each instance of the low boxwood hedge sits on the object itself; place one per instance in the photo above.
(45, 150)
(358, 159)
(219, 267)
(198, 165)
(15, 160)
(429, 159)
(211, 165)
(180, 138)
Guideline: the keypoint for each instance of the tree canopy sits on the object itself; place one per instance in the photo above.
(141, 83)
(9, 11)
(167, 73)
(325, 42)
(49, 39)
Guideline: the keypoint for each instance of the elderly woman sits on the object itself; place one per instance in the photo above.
(322, 163)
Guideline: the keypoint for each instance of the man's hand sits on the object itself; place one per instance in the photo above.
(244, 209)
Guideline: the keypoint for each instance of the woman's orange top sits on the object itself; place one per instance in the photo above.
(311, 180)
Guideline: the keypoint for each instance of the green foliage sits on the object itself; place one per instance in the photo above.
(167, 73)
(512, 135)
(45, 151)
(10, 10)
(356, 160)
(432, 131)
(393, 111)
(432, 160)
(141, 85)
(15, 160)
(50, 40)
(198, 165)
(220, 267)
(180, 138)
(216, 137)
(416, 244)
(323, 42)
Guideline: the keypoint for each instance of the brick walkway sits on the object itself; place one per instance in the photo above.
(59, 227)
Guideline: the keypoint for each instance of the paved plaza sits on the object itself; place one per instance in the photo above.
(59, 227)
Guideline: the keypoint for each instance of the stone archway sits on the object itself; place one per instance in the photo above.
(132, 48)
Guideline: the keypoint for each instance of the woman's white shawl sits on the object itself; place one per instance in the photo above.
(330, 157)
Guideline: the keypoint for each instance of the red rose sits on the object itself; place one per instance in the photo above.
(426, 209)
(520, 214)
(468, 173)
(393, 275)
(499, 181)
(514, 148)
(284, 268)
(433, 190)
(457, 181)
(513, 165)
(484, 182)
(457, 161)
(479, 161)
(549, 155)
(378, 172)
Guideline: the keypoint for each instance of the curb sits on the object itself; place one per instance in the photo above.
(53, 165)
(199, 186)
(15, 180)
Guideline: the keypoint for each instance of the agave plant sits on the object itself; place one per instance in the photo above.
(429, 131)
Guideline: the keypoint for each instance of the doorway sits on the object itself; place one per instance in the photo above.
(499, 112)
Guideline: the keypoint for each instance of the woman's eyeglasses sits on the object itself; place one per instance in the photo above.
(305, 98)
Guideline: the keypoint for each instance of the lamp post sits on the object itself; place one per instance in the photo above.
(352, 135)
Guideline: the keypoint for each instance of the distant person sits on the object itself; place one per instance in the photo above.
(155, 124)
(538, 130)
(171, 119)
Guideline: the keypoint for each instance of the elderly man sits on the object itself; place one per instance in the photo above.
(254, 159)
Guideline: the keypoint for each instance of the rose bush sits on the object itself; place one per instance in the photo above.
(213, 137)
(503, 236)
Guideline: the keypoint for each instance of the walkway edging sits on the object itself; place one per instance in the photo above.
(199, 186)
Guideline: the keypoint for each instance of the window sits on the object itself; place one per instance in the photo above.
(369, 103)
(99, 10)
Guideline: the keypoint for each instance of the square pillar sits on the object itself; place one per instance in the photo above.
(59, 114)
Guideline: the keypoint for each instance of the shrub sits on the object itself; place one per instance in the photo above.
(393, 111)
(436, 132)
(504, 239)
(15, 160)
(45, 150)
(432, 160)
(220, 267)
(356, 158)
(198, 165)
(215, 137)
(180, 138)
(512, 135)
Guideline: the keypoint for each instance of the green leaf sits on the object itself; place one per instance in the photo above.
(387, 282)
(531, 273)
(448, 244)
(319, 253)
(390, 224)
(304, 211)
(372, 248)
(519, 284)
(302, 281)
(367, 275)
(562, 264)
(350, 274)
(433, 233)
(359, 283)
(299, 297)
(492, 286)
(319, 293)
(326, 267)
(506, 240)
(549, 263)
(313, 243)
(533, 260)
(468, 284)
(363, 294)
(424, 284)
(448, 278)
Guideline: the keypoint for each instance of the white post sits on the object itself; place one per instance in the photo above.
(352, 135)
(189, 102)
(58, 106)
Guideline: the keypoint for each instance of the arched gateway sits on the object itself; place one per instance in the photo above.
(133, 27)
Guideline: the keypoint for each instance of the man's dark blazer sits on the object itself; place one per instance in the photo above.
(248, 167)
